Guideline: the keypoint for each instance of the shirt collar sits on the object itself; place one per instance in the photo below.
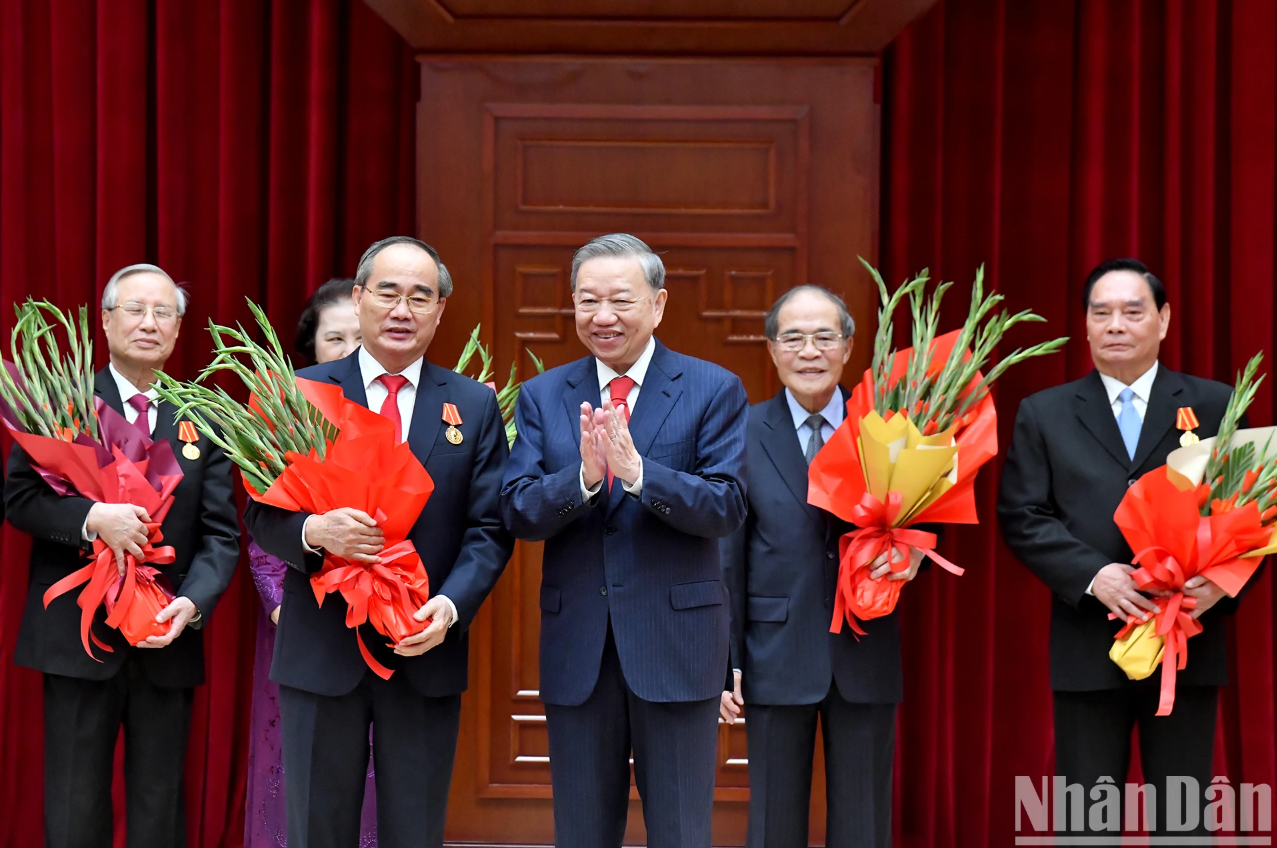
(637, 372)
(1143, 386)
(370, 369)
(126, 388)
(833, 411)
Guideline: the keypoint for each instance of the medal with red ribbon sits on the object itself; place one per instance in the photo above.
(186, 432)
(1186, 420)
(452, 418)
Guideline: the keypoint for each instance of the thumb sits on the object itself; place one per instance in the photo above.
(165, 614)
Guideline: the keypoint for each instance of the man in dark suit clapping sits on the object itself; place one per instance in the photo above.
(629, 464)
(781, 568)
(1075, 450)
(147, 689)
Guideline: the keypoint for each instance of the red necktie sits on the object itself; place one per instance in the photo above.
(143, 406)
(620, 391)
(390, 408)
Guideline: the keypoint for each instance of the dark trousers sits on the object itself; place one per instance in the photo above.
(82, 721)
(860, 746)
(1093, 740)
(325, 744)
(675, 758)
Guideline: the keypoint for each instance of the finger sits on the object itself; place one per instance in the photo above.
(362, 517)
(165, 614)
(1194, 582)
(133, 548)
(142, 514)
(901, 575)
(737, 698)
(414, 639)
(881, 559)
(423, 613)
(1130, 609)
(878, 572)
(119, 559)
(1146, 603)
(368, 558)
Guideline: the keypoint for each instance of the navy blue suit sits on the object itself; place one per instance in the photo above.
(328, 696)
(781, 568)
(634, 616)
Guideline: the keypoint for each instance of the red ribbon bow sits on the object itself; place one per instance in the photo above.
(859, 596)
(132, 600)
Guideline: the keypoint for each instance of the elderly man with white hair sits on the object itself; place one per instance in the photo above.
(146, 689)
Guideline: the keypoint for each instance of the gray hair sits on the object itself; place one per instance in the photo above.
(771, 323)
(111, 293)
(621, 244)
(363, 272)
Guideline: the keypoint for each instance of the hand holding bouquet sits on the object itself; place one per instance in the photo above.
(919, 425)
(1210, 512)
(81, 446)
(303, 446)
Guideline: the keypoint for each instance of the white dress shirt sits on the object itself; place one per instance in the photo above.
(638, 373)
(833, 413)
(1143, 388)
(375, 390)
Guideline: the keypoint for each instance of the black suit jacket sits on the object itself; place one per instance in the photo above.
(201, 526)
(1066, 472)
(781, 570)
(458, 535)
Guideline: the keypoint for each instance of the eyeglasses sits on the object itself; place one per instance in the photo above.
(794, 342)
(137, 312)
(589, 305)
(389, 300)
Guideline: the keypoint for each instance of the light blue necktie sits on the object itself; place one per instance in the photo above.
(1128, 421)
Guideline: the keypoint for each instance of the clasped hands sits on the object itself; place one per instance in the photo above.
(1116, 589)
(606, 444)
(353, 535)
(122, 528)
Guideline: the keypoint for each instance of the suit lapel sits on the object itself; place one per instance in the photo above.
(1096, 414)
(427, 411)
(1163, 401)
(583, 387)
(104, 387)
(347, 375)
(657, 397)
(780, 443)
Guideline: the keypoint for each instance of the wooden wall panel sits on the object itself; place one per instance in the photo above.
(748, 176)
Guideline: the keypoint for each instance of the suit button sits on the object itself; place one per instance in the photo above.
(609, 530)
(602, 590)
(829, 554)
(1130, 483)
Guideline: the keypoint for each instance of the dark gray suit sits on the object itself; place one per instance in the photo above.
(781, 568)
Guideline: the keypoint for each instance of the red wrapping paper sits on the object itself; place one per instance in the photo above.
(386, 594)
(836, 483)
(126, 466)
(1173, 542)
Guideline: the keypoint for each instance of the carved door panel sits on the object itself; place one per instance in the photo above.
(749, 177)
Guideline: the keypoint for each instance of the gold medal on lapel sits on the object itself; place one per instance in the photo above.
(1186, 420)
(452, 417)
(186, 432)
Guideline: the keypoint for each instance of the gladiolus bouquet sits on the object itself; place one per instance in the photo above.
(919, 425)
(1211, 511)
(81, 446)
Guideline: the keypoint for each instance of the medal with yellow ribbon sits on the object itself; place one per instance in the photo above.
(186, 432)
(452, 418)
(1186, 420)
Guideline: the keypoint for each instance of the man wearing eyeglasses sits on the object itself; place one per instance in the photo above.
(788, 671)
(147, 688)
(328, 695)
(629, 464)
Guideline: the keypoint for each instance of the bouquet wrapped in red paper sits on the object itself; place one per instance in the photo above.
(1210, 512)
(81, 446)
(919, 425)
(304, 447)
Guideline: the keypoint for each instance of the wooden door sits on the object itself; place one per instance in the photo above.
(748, 176)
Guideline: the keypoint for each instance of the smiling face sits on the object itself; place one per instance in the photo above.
(616, 310)
(810, 374)
(397, 335)
(142, 341)
(1124, 326)
(337, 335)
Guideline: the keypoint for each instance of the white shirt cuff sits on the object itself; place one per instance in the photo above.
(453, 608)
(635, 488)
(1090, 587)
(85, 533)
(588, 492)
(305, 547)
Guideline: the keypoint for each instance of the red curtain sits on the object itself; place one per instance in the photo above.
(252, 149)
(1040, 138)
